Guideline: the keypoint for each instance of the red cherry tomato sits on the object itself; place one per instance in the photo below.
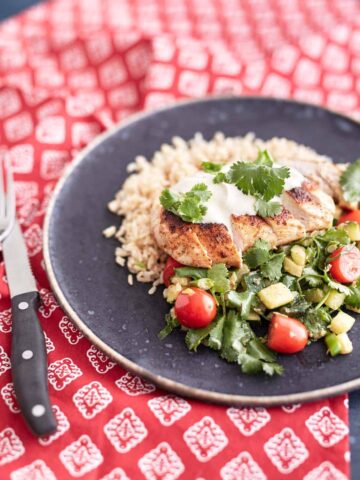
(195, 308)
(169, 270)
(286, 334)
(345, 264)
(352, 216)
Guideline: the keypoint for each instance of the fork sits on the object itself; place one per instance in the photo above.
(28, 351)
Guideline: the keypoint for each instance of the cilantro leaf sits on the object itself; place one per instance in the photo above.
(192, 272)
(272, 368)
(216, 334)
(194, 336)
(210, 167)
(337, 235)
(220, 177)
(336, 285)
(242, 301)
(236, 335)
(312, 277)
(267, 209)
(350, 182)
(353, 300)
(258, 254)
(189, 206)
(290, 282)
(219, 274)
(260, 351)
(298, 306)
(259, 178)
(272, 268)
(171, 324)
(169, 200)
(316, 322)
(264, 158)
(253, 281)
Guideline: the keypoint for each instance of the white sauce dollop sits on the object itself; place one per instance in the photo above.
(295, 180)
(226, 199)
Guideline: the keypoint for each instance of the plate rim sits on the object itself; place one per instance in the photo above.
(159, 380)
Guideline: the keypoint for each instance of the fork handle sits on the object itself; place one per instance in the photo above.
(29, 364)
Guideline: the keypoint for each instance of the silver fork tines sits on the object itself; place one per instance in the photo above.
(7, 200)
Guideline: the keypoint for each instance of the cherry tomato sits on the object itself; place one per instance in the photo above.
(286, 334)
(345, 264)
(169, 270)
(195, 308)
(351, 216)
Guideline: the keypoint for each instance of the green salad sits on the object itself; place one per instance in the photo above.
(279, 301)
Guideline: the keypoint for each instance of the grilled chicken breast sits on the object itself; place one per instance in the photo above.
(247, 228)
(197, 244)
(305, 209)
(323, 172)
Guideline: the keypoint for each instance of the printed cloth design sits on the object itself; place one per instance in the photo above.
(70, 69)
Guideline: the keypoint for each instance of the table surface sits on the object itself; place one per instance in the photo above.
(11, 7)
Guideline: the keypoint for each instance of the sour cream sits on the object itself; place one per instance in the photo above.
(295, 179)
(226, 199)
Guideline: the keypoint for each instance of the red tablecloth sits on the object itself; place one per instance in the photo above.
(70, 69)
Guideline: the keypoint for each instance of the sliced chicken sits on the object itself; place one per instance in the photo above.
(197, 244)
(324, 172)
(305, 209)
(218, 243)
(286, 227)
(310, 209)
(178, 239)
(248, 228)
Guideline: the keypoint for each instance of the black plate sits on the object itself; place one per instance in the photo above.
(124, 320)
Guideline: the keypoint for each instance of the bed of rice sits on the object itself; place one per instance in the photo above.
(133, 202)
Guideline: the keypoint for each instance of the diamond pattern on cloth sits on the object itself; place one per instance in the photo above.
(70, 69)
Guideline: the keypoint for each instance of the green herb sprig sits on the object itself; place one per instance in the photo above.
(189, 206)
(260, 179)
(350, 182)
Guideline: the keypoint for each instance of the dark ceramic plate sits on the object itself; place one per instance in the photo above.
(124, 321)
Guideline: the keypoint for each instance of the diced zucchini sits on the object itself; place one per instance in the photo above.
(298, 254)
(346, 345)
(314, 295)
(342, 323)
(203, 283)
(293, 268)
(254, 317)
(242, 271)
(353, 230)
(331, 247)
(335, 299)
(353, 309)
(183, 281)
(172, 292)
(333, 344)
(275, 295)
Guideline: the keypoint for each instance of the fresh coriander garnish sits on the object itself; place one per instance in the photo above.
(260, 179)
(258, 254)
(350, 182)
(353, 300)
(189, 206)
(270, 263)
(211, 167)
(267, 209)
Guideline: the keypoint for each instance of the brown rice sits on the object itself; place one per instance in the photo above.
(139, 251)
